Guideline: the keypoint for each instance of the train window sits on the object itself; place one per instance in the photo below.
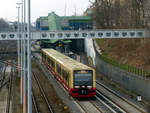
(48, 60)
(59, 69)
(52, 64)
(65, 75)
(63, 72)
(83, 77)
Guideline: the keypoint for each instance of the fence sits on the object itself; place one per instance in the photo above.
(129, 68)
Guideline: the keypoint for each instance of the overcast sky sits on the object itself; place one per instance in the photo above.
(8, 9)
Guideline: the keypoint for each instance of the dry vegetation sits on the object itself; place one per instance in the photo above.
(121, 13)
(57, 103)
(124, 14)
(135, 52)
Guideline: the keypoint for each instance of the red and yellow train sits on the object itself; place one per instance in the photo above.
(77, 78)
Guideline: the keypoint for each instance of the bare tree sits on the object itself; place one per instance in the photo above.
(4, 26)
(121, 13)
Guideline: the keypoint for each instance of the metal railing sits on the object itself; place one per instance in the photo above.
(99, 33)
(127, 67)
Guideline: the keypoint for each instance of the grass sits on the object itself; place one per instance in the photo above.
(125, 67)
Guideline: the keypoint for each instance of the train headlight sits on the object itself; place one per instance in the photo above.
(89, 87)
(83, 86)
(77, 86)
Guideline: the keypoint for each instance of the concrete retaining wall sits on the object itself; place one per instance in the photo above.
(89, 49)
(130, 81)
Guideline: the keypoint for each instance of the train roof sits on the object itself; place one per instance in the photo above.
(65, 60)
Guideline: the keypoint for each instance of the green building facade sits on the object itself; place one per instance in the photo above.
(53, 22)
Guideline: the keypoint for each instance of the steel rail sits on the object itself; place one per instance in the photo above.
(96, 107)
(4, 83)
(120, 97)
(35, 103)
(9, 63)
(3, 76)
(43, 93)
(83, 110)
(9, 92)
(114, 107)
(78, 103)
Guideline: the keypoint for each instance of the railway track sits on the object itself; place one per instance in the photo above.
(9, 63)
(112, 106)
(9, 92)
(86, 106)
(49, 106)
(2, 76)
(123, 103)
(6, 78)
(35, 104)
(3, 79)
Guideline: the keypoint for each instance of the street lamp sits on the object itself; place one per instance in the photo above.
(18, 42)
(24, 43)
(19, 52)
(22, 51)
(23, 57)
(29, 60)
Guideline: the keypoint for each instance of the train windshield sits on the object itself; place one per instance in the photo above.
(83, 78)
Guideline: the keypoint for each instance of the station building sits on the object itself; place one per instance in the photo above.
(53, 22)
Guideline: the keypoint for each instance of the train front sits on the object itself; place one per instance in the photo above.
(83, 83)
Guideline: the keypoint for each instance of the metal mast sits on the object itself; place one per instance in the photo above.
(29, 61)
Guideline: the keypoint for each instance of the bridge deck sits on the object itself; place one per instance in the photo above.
(115, 33)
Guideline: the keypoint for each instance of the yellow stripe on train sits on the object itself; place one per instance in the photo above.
(77, 78)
